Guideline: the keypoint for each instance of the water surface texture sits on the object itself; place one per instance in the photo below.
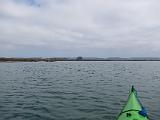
(76, 90)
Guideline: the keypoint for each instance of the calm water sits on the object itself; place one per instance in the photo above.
(76, 90)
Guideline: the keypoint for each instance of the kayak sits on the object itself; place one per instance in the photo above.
(133, 109)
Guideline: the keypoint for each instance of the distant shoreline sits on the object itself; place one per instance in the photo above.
(54, 59)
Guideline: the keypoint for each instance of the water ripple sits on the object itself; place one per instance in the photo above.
(76, 90)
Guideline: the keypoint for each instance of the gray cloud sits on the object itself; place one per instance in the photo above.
(79, 27)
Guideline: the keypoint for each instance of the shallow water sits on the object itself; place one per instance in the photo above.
(76, 90)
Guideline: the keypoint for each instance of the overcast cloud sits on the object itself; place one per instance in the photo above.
(100, 28)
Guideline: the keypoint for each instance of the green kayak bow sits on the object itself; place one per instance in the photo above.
(133, 109)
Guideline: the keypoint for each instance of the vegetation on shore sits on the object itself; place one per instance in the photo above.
(53, 59)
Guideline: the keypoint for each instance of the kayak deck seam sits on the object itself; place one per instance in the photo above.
(128, 111)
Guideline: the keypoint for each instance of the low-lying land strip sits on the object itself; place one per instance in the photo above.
(53, 59)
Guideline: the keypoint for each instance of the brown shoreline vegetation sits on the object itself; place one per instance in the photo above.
(53, 59)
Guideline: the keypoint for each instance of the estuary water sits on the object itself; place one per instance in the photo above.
(76, 90)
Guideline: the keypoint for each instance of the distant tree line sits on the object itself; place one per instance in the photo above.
(79, 58)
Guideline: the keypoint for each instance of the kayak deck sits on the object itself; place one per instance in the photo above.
(132, 115)
(133, 109)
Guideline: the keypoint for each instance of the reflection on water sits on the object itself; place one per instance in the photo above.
(76, 90)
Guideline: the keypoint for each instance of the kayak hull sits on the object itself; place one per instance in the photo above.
(133, 110)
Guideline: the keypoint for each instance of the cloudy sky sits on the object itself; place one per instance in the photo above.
(98, 28)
